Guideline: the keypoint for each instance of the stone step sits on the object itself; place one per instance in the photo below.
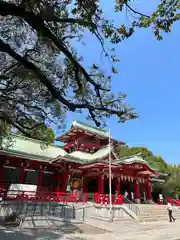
(157, 214)
(153, 220)
(107, 219)
(162, 216)
(46, 221)
(152, 212)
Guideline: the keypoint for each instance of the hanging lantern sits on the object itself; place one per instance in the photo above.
(129, 179)
(143, 180)
(140, 180)
(122, 177)
(125, 178)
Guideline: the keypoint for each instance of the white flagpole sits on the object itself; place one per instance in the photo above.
(110, 181)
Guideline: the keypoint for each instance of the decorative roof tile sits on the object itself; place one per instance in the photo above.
(31, 147)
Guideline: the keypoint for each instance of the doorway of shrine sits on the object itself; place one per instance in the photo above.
(92, 185)
(106, 186)
(127, 188)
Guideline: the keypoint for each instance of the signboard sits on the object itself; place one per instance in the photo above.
(136, 166)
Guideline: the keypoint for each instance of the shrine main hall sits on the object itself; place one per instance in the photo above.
(80, 165)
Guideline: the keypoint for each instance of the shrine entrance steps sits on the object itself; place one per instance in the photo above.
(146, 213)
(154, 212)
(49, 214)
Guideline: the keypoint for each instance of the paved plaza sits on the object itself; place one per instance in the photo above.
(106, 231)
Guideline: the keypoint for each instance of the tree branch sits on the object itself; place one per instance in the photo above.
(54, 92)
(5, 117)
(37, 24)
(136, 12)
(43, 79)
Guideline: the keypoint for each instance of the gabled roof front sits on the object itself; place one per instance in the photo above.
(79, 127)
(91, 129)
(132, 160)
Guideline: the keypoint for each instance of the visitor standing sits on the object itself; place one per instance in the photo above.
(169, 208)
(126, 194)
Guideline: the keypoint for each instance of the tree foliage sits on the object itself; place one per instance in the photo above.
(158, 163)
(155, 162)
(171, 187)
(127, 151)
(42, 76)
(40, 131)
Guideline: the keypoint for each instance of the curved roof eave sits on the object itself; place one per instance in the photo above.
(135, 159)
(96, 157)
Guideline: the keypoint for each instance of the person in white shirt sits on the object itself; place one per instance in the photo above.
(169, 208)
(126, 194)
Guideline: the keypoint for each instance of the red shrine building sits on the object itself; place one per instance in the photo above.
(81, 166)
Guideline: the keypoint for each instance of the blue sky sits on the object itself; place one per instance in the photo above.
(148, 73)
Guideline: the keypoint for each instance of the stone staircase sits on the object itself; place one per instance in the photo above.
(153, 213)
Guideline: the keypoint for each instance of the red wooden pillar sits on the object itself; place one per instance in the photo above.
(58, 182)
(148, 192)
(101, 184)
(22, 175)
(85, 189)
(136, 192)
(40, 179)
(85, 185)
(65, 181)
(118, 185)
(1, 175)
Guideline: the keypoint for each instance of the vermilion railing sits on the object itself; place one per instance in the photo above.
(174, 202)
(61, 197)
(104, 199)
(40, 196)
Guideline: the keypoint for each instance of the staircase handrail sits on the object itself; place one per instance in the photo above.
(135, 208)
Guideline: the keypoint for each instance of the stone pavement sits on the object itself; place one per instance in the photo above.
(108, 231)
(162, 230)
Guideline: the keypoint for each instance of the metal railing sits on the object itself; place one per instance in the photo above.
(132, 206)
(42, 211)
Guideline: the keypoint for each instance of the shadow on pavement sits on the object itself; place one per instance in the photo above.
(10, 234)
(60, 232)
